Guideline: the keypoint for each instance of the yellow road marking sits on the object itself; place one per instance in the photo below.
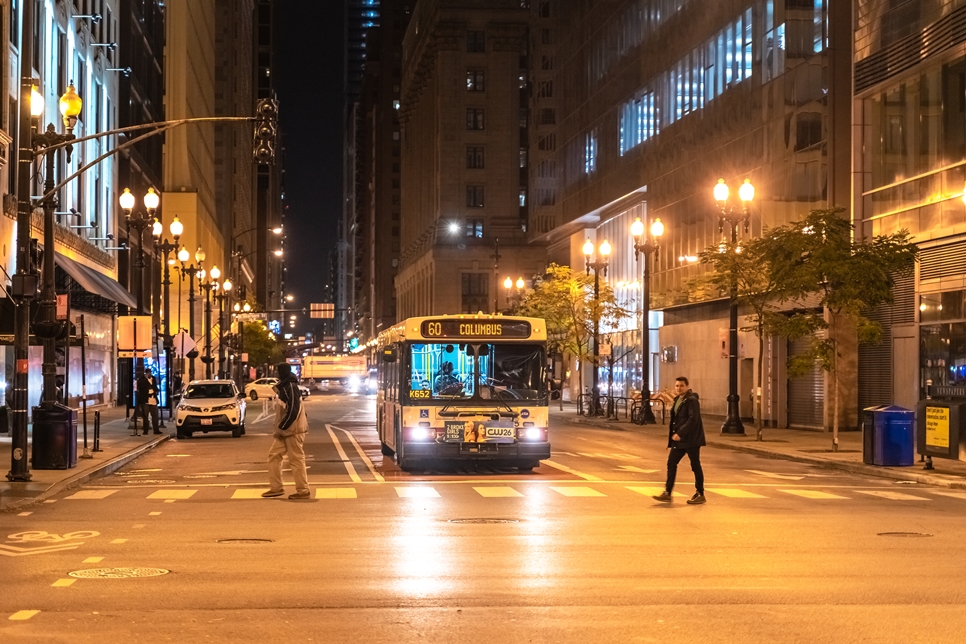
(568, 470)
(576, 491)
(137, 526)
(63, 583)
(93, 560)
(249, 494)
(21, 615)
(651, 491)
(420, 492)
(50, 501)
(345, 459)
(92, 494)
(119, 541)
(496, 491)
(25, 514)
(734, 493)
(632, 468)
(172, 494)
(335, 493)
(153, 514)
(893, 496)
(813, 494)
(170, 500)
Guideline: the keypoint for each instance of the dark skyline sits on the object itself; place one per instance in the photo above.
(310, 75)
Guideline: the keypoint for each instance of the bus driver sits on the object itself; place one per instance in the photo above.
(446, 383)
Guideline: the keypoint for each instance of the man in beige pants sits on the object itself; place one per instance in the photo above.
(291, 426)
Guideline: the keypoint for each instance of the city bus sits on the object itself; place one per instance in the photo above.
(464, 388)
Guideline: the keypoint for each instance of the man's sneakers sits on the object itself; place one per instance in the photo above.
(697, 499)
(665, 497)
(272, 493)
(301, 495)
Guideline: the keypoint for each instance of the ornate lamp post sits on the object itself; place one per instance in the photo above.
(599, 264)
(646, 246)
(166, 248)
(733, 216)
(221, 294)
(241, 308)
(208, 282)
(508, 284)
(192, 271)
(139, 222)
(48, 327)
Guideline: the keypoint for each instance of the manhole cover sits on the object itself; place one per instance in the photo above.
(904, 534)
(484, 521)
(199, 476)
(118, 573)
(249, 540)
(157, 481)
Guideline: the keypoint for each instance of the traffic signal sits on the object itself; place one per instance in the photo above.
(354, 343)
(266, 131)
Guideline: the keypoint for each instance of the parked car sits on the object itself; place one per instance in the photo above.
(210, 406)
(262, 388)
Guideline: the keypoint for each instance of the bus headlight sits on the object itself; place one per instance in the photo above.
(419, 433)
(533, 434)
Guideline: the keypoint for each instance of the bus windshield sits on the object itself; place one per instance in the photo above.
(503, 372)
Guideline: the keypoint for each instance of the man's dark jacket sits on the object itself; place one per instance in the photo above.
(289, 393)
(146, 389)
(686, 422)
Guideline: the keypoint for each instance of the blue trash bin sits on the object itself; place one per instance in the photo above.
(895, 438)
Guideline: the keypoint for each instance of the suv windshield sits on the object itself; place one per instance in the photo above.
(210, 390)
(489, 371)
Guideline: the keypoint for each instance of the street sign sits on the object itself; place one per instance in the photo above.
(62, 307)
(325, 310)
(128, 326)
(182, 344)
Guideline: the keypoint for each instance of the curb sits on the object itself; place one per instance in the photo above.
(107, 467)
(852, 468)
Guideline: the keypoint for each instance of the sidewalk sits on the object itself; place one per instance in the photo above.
(790, 444)
(118, 447)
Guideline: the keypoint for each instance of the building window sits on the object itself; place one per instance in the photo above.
(547, 143)
(474, 158)
(474, 80)
(548, 116)
(473, 228)
(474, 118)
(544, 9)
(546, 37)
(474, 196)
(590, 152)
(546, 62)
(545, 89)
(523, 197)
(475, 41)
(475, 292)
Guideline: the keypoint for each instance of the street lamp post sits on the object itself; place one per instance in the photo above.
(599, 264)
(140, 221)
(221, 295)
(166, 248)
(191, 271)
(48, 327)
(508, 284)
(209, 282)
(733, 216)
(241, 308)
(646, 246)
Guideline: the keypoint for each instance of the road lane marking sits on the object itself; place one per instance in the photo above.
(25, 514)
(50, 501)
(335, 493)
(153, 514)
(733, 493)
(172, 494)
(92, 494)
(137, 526)
(567, 453)
(568, 470)
(813, 494)
(21, 615)
(417, 492)
(119, 541)
(93, 560)
(250, 494)
(170, 500)
(345, 459)
(651, 491)
(631, 468)
(954, 495)
(63, 583)
(576, 491)
(365, 459)
(628, 457)
(893, 496)
(772, 475)
(496, 491)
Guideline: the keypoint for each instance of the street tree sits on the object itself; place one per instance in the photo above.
(819, 257)
(260, 344)
(565, 300)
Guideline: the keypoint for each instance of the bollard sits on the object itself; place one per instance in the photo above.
(97, 432)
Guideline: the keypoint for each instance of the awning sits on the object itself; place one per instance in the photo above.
(95, 282)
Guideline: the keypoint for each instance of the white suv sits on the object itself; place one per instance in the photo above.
(211, 406)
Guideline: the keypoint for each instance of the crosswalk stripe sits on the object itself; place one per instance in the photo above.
(813, 494)
(955, 495)
(496, 491)
(63, 583)
(419, 492)
(893, 496)
(576, 491)
(92, 494)
(21, 615)
(249, 494)
(172, 494)
(651, 491)
(734, 493)
(335, 493)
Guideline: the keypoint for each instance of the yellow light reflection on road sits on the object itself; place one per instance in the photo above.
(539, 563)
(422, 559)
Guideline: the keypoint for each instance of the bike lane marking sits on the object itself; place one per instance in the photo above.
(350, 469)
(365, 459)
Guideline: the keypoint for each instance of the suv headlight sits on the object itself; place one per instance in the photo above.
(224, 407)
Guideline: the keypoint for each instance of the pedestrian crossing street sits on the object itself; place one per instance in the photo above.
(510, 491)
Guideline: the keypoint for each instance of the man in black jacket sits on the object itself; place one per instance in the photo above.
(147, 400)
(290, 429)
(686, 437)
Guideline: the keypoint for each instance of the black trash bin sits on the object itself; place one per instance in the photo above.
(54, 444)
(868, 433)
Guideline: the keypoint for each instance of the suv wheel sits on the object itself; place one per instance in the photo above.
(253, 395)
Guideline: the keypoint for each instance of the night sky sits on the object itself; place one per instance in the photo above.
(309, 79)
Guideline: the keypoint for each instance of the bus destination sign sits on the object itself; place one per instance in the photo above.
(466, 329)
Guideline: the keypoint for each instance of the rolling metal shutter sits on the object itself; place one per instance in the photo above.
(806, 395)
(875, 360)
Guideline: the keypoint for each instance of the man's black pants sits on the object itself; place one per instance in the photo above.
(694, 455)
(145, 411)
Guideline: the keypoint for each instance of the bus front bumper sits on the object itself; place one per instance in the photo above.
(519, 451)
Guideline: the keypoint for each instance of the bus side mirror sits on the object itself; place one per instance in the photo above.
(388, 355)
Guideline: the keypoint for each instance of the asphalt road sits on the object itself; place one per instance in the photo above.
(575, 551)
